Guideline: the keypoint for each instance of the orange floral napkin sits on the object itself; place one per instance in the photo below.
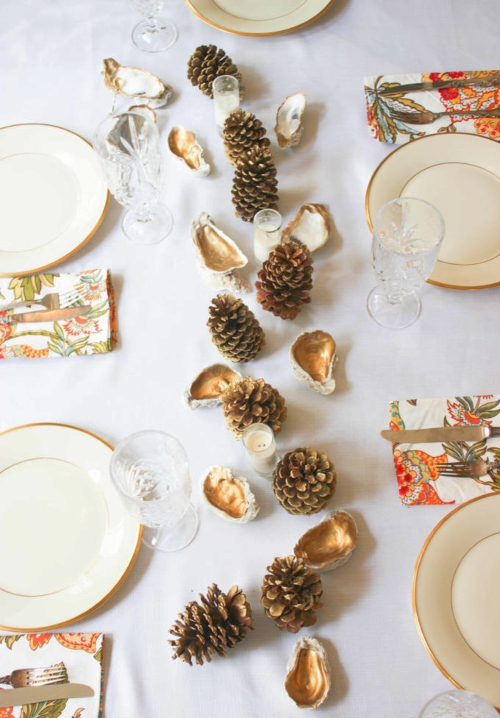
(81, 653)
(472, 97)
(419, 467)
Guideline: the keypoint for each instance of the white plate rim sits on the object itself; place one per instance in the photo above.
(132, 529)
(42, 258)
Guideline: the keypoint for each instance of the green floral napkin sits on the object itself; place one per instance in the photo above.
(92, 333)
(471, 97)
(423, 470)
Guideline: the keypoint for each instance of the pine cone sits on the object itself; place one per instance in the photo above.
(235, 331)
(304, 481)
(250, 401)
(285, 280)
(255, 185)
(291, 593)
(242, 131)
(205, 64)
(219, 622)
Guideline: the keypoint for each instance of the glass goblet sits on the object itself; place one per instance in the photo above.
(407, 235)
(153, 34)
(458, 704)
(128, 145)
(151, 473)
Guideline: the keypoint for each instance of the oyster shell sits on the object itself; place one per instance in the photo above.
(307, 679)
(207, 388)
(135, 82)
(328, 544)
(311, 226)
(217, 255)
(313, 357)
(184, 145)
(229, 496)
(290, 120)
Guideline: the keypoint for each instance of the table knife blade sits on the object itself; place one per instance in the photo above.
(38, 694)
(46, 315)
(488, 81)
(440, 434)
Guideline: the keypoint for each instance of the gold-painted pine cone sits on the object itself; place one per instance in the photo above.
(304, 481)
(251, 401)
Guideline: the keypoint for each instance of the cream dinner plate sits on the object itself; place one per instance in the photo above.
(460, 174)
(258, 17)
(66, 540)
(456, 585)
(53, 196)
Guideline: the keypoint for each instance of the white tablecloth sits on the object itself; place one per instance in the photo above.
(50, 55)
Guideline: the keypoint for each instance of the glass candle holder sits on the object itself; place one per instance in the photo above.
(259, 441)
(266, 233)
(226, 92)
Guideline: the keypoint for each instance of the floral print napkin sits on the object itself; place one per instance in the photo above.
(81, 653)
(92, 333)
(385, 128)
(420, 467)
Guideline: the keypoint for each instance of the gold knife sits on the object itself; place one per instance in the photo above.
(487, 81)
(45, 315)
(440, 433)
(38, 694)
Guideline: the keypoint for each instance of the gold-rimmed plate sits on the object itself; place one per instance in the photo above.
(66, 540)
(53, 196)
(258, 17)
(456, 585)
(460, 174)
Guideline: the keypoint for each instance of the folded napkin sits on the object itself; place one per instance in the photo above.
(386, 129)
(91, 333)
(419, 467)
(81, 653)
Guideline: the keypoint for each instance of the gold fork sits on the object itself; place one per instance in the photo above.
(36, 676)
(426, 117)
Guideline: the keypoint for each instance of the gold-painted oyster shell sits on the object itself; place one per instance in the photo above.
(217, 255)
(307, 679)
(208, 386)
(330, 543)
(229, 496)
(290, 120)
(313, 357)
(183, 144)
(135, 82)
(311, 226)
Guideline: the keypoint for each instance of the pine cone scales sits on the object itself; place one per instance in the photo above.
(290, 593)
(217, 623)
(285, 280)
(234, 329)
(251, 401)
(242, 130)
(304, 480)
(205, 64)
(255, 185)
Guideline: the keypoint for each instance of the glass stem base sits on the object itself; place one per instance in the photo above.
(154, 35)
(175, 537)
(147, 227)
(393, 314)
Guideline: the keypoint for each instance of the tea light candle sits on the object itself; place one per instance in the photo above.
(259, 441)
(267, 232)
(226, 92)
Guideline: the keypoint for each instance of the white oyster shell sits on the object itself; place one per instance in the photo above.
(217, 255)
(307, 679)
(208, 386)
(135, 82)
(290, 120)
(311, 226)
(330, 543)
(183, 144)
(313, 357)
(229, 496)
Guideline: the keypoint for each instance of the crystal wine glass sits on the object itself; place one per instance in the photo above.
(150, 470)
(458, 704)
(407, 235)
(128, 145)
(153, 34)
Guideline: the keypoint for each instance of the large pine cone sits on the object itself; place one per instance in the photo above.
(304, 481)
(251, 401)
(255, 185)
(242, 130)
(205, 64)
(285, 280)
(235, 331)
(219, 622)
(291, 593)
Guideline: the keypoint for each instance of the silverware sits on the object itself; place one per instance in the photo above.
(38, 694)
(47, 315)
(426, 117)
(440, 434)
(21, 677)
(475, 468)
(487, 81)
(53, 300)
